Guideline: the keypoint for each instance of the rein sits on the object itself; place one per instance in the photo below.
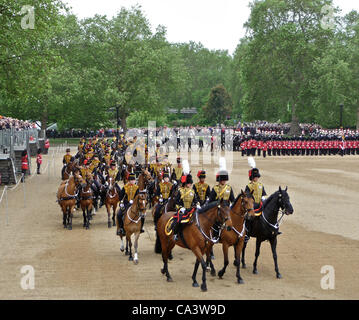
(140, 215)
(210, 238)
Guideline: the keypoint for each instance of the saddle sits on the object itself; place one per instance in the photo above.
(177, 218)
(258, 209)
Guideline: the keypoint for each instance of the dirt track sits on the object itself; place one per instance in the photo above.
(82, 264)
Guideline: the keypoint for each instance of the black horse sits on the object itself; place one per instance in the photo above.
(265, 226)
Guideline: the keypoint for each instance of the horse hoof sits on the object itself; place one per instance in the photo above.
(122, 249)
(135, 261)
(203, 288)
(235, 263)
(127, 253)
(163, 271)
(130, 258)
(240, 281)
(195, 284)
(109, 225)
(220, 274)
(170, 257)
(279, 276)
(244, 266)
(169, 279)
(213, 273)
(255, 272)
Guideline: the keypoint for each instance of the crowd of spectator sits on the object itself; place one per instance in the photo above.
(9, 123)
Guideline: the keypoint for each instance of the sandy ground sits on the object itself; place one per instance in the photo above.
(88, 264)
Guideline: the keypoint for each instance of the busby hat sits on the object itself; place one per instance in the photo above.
(132, 176)
(201, 174)
(68, 150)
(188, 179)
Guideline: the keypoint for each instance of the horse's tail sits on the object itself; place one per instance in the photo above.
(158, 247)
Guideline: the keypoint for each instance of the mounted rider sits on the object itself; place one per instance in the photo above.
(66, 160)
(177, 171)
(127, 195)
(186, 201)
(201, 188)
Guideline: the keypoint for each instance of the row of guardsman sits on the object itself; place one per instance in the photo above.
(192, 216)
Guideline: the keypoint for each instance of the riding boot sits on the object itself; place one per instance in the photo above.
(142, 223)
(120, 222)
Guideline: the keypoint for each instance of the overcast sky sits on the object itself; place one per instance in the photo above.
(216, 24)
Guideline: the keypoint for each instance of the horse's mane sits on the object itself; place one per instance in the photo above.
(235, 201)
(269, 199)
(208, 206)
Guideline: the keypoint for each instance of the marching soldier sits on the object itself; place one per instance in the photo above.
(201, 188)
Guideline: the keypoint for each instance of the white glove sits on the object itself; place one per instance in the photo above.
(161, 200)
(263, 198)
(174, 182)
(131, 201)
(183, 210)
(122, 205)
(198, 206)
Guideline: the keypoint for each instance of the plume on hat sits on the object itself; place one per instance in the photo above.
(185, 166)
(222, 164)
(251, 162)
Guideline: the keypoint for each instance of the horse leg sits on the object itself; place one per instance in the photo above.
(238, 249)
(84, 215)
(128, 238)
(225, 256)
(209, 262)
(64, 216)
(195, 283)
(69, 218)
(135, 245)
(273, 243)
(126, 252)
(166, 249)
(258, 246)
(89, 211)
(114, 214)
(108, 208)
(244, 266)
(122, 248)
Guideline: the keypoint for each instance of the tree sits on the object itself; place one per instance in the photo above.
(219, 105)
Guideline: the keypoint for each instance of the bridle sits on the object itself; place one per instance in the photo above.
(246, 212)
(281, 210)
(210, 237)
(141, 212)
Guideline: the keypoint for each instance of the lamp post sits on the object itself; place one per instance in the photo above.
(341, 106)
(117, 107)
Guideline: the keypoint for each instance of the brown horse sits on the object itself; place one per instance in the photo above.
(66, 197)
(132, 224)
(112, 200)
(194, 236)
(86, 201)
(241, 207)
(144, 179)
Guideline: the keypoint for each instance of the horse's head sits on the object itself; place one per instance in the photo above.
(111, 183)
(245, 202)
(142, 201)
(146, 175)
(284, 202)
(79, 180)
(224, 215)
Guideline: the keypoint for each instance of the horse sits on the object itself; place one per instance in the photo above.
(132, 224)
(265, 226)
(66, 197)
(68, 170)
(241, 207)
(86, 201)
(194, 236)
(112, 199)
